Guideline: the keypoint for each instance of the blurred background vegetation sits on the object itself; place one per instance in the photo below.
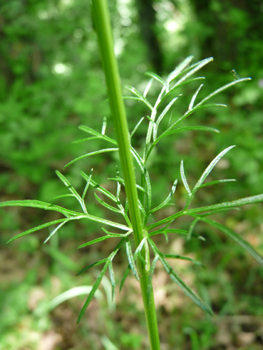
(51, 81)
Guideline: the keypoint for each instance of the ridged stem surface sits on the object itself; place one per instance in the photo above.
(103, 28)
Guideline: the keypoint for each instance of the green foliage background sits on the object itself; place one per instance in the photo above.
(51, 81)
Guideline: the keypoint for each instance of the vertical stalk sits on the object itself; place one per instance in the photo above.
(102, 26)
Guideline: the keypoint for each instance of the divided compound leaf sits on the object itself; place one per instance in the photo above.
(58, 227)
(234, 236)
(105, 150)
(72, 190)
(156, 77)
(37, 228)
(38, 204)
(171, 91)
(224, 206)
(136, 127)
(148, 86)
(195, 68)
(97, 134)
(112, 279)
(106, 205)
(91, 265)
(140, 96)
(181, 257)
(146, 176)
(191, 105)
(179, 69)
(174, 131)
(166, 201)
(162, 115)
(151, 272)
(125, 275)
(131, 259)
(98, 187)
(96, 284)
(217, 182)
(100, 239)
(222, 89)
(211, 167)
(191, 228)
(88, 179)
(182, 173)
(187, 290)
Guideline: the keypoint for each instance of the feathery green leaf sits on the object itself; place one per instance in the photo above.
(131, 259)
(182, 173)
(230, 233)
(97, 134)
(105, 150)
(37, 228)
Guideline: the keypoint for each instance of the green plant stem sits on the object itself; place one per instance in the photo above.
(103, 28)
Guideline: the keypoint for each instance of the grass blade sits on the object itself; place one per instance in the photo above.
(230, 233)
